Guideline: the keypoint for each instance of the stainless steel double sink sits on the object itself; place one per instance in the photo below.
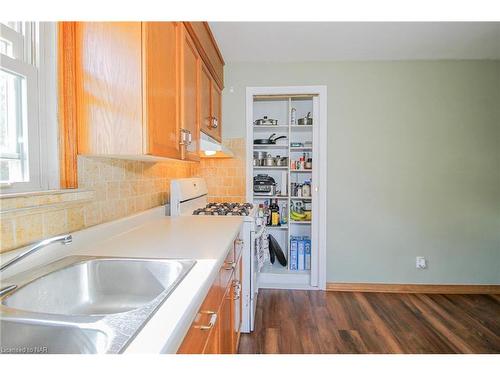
(83, 304)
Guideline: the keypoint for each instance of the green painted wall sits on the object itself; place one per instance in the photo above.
(413, 164)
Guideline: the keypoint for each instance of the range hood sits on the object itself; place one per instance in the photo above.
(210, 148)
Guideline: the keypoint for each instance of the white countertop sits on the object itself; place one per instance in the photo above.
(153, 235)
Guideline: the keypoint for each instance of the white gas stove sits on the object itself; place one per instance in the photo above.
(188, 196)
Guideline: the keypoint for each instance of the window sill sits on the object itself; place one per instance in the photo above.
(16, 204)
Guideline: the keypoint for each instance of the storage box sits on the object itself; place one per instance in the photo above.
(293, 253)
(301, 255)
(307, 251)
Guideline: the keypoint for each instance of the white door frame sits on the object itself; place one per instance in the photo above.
(321, 183)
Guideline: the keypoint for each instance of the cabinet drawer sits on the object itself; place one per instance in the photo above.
(199, 333)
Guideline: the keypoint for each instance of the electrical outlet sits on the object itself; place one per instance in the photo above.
(421, 263)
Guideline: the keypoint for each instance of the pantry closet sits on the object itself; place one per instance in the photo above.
(286, 164)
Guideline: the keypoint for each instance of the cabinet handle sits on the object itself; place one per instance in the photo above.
(186, 137)
(214, 123)
(237, 290)
(229, 266)
(239, 241)
(211, 323)
(184, 140)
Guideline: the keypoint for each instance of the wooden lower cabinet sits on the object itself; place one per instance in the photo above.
(226, 324)
(216, 327)
(237, 304)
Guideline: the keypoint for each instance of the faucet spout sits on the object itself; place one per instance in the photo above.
(63, 239)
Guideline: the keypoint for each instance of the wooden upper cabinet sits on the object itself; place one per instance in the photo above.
(189, 94)
(108, 87)
(217, 110)
(161, 88)
(134, 89)
(205, 100)
(209, 105)
(208, 49)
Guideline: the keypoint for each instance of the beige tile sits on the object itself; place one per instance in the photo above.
(7, 239)
(125, 189)
(28, 228)
(92, 214)
(100, 189)
(119, 170)
(75, 218)
(112, 190)
(54, 222)
(106, 170)
(131, 206)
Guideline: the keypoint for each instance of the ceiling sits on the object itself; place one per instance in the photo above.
(328, 41)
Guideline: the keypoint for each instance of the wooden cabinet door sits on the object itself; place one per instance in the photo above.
(217, 110)
(206, 102)
(160, 73)
(226, 324)
(189, 89)
(237, 305)
(213, 343)
(108, 88)
(201, 338)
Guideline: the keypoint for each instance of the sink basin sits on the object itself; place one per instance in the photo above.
(97, 287)
(33, 338)
(84, 304)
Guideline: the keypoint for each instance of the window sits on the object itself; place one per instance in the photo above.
(27, 64)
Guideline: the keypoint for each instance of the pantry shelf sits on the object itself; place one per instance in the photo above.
(300, 149)
(301, 127)
(300, 170)
(272, 147)
(300, 222)
(270, 196)
(281, 227)
(272, 168)
(269, 127)
(278, 269)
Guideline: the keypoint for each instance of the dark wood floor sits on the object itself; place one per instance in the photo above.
(338, 322)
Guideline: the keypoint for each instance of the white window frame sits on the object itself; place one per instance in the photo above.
(36, 60)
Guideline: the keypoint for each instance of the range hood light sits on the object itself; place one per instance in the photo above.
(210, 148)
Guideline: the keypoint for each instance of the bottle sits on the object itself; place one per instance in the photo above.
(284, 218)
(275, 214)
(268, 212)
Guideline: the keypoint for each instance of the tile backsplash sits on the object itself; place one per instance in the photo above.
(225, 177)
(124, 187)
(108, 189)
(113, 188)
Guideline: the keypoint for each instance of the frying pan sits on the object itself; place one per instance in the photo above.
(268, 141)
(276, 252)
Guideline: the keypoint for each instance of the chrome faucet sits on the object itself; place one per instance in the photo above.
(64, 239)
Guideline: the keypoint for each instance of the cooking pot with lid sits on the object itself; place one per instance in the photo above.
(305, 120)
(265, 121)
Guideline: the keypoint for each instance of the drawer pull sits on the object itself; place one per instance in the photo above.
(237, 290)
(239, 242)
(229, 266)
(211, 323)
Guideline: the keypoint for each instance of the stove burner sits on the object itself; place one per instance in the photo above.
(225, 209)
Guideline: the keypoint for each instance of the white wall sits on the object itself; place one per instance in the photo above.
(413, 164)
